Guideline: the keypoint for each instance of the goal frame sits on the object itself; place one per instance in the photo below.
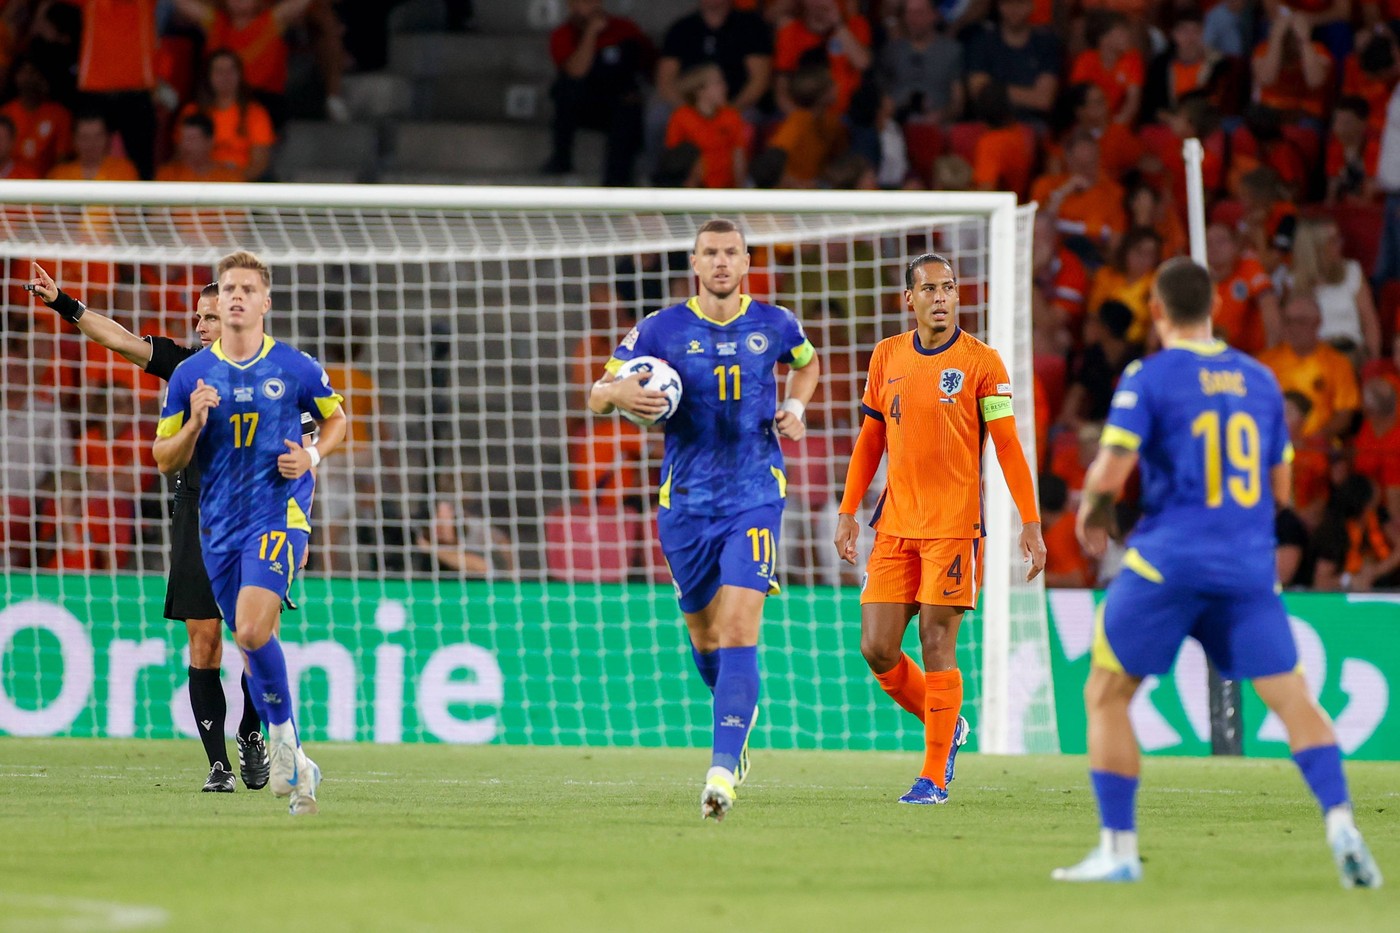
(999, 208)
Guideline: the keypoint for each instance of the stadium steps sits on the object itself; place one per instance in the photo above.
(379, 95)
(430, 55)
(482, 149)
(343, 150)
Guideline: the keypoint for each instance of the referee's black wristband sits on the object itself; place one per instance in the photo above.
(68, 307)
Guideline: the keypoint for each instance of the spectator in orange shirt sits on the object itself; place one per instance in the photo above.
(1371, 73)
(712, 126)
(1248, 315)
(85, 530)
(1387, 368)
(194, 154)
(1113, 64)
(1066, 564)
(1005, 154)
(1084, 202)
(1312, 467)
(1150, 207)
(1128, 279)
(822, 32)
(252, 30)
(10, 167)
(1188, 66)
(92, 143)
(1290, 70)
(117, 72)
(1119, 147)
(43, 127)
(1377, 445)
(1354, 552)
(811, 134)
(243, 133)
(1059, 273)
(1352, 154)
(1304, 363)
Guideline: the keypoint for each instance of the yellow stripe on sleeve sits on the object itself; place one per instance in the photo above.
(612, 365)
(1114, 436)
(1288, 453)
(996, 407)
(170, 425)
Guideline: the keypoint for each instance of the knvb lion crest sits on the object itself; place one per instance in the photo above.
(951, 381)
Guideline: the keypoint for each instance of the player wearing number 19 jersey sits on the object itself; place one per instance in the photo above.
(722, 481)
(1205, 424)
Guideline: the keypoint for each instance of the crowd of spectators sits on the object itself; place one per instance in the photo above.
(1083, 108)
(175, 90)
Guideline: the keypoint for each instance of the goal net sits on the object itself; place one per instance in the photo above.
(484, 565)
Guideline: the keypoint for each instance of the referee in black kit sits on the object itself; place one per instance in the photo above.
(188, 597)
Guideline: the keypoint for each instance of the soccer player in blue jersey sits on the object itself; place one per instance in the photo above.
(235, 408)
(1205, 424)
(722, 484)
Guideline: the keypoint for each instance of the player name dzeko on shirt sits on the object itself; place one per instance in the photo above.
(722, 453)
(246, 434)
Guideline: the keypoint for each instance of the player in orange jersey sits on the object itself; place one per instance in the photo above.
(932, 397)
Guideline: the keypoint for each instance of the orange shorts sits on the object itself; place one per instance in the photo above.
(932, 571)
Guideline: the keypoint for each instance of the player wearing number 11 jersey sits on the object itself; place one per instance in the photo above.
(1205, 424)
(722, 484)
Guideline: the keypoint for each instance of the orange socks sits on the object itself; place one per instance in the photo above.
(905, 683)
(943, 696)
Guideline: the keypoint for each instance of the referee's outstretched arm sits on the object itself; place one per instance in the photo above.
(99, 328)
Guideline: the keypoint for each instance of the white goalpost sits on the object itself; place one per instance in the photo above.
(484, 566)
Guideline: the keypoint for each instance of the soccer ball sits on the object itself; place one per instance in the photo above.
(663, 378)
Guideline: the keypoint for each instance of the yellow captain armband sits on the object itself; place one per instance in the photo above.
(1114, 436)
(612, 365)
(802, 354)
(996, 407)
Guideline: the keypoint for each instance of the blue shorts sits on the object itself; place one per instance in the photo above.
(1143, 622)
(706, 552)
(265, 560)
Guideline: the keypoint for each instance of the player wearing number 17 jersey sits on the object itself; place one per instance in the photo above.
(235, 408)
(722, 484)
(1205, 424)
(933, 397)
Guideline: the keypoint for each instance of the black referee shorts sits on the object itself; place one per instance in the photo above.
(187, 592)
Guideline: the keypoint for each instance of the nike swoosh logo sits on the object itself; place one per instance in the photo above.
(949, 592)
(895, 379)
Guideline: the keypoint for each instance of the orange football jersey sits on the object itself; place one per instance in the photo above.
(935, 404)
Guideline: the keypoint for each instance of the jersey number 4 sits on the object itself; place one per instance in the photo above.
(1241, 444)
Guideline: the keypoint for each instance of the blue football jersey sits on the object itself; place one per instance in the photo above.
(722, 451)
(260, 406)
(1207, 423)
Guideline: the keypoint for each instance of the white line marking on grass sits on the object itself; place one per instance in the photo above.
(78, 914)
(22, 774)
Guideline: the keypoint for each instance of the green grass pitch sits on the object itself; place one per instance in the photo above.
(107, 835)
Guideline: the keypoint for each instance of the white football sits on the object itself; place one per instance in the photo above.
(662, 378)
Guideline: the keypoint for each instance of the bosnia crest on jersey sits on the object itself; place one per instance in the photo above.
(951, 381)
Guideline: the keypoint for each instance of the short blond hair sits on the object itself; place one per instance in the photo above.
(244, 259)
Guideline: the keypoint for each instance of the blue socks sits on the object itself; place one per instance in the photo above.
(268, 667)
(707, 665)
(1117, 797)
(1322, 769)
(736, 694)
